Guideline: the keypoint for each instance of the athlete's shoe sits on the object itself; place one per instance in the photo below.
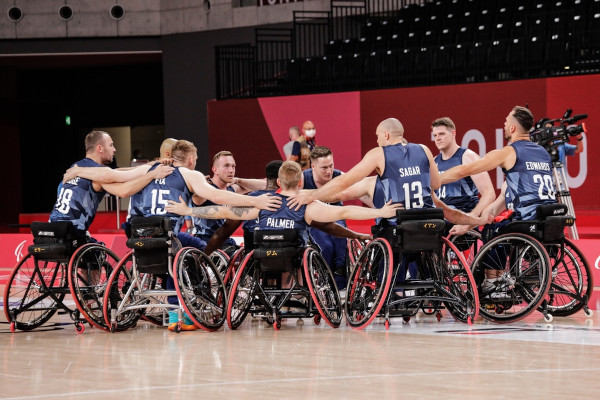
(186, 325)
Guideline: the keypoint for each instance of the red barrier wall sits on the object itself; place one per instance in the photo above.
(256, 129)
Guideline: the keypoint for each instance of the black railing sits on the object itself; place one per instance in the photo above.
(368, 44)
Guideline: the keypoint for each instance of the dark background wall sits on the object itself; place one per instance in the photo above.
(97, 82)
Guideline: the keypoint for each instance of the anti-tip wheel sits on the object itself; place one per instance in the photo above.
(548, 318)
(588, 313)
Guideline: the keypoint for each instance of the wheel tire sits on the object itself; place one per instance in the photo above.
(322, 287)
(368, 284)
(96, 261)
(200, 289)
(242, 291)
(23, 288)
(530, 270)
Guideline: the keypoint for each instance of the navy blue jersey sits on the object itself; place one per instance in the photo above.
(285, 218)
(406, 178)
(77, 200)
(309, 181)
(153, 199)
(461, 194)
(252, 224)
(529, 181)
(207, 227)
(378, 197)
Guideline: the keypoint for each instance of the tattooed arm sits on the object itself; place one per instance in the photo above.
(213, 212)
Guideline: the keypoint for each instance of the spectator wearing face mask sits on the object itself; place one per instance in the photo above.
(304, 144)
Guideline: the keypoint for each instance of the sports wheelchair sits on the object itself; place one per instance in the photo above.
(380, 286)
(269, 283)
(542, 269)
(58, 264)
(139, 286)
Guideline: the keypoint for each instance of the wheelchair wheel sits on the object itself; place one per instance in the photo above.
(119, 294)
(524, 282)
(369, 283)
(468, 244)
(244, 285)
(89, 269)
(221, 260)
(460, 288)
(200, 288)
(30, 296)
(572, 279)
(354, 249)
(321, 283)
(234, 265)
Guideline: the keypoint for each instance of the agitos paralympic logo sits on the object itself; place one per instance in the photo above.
(19, 250)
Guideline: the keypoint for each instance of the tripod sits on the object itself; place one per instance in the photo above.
(563, 194)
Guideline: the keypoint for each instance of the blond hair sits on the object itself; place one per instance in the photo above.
(289, 174)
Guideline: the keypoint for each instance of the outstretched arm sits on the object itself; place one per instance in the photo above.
(212, 212)
(361, 170)
(244, 185)
(504, 157)
(317, 211)
(105, 174)
(201, 188)
(221, 235)
(460, 218)
(338, 230)
(482, 182)
(125, 189)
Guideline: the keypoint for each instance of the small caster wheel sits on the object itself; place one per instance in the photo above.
(277, 325)
(387, 324)
(80, 327)
(406, 319)
(548, 318)
(113, 327)
(13, 326)
(588, 313)
(317, 319)
(469, 320)
(438, 315)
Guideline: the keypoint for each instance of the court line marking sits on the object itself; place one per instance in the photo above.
(311, 379)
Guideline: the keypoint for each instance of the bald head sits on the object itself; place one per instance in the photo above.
(166, 148)
(392, 126)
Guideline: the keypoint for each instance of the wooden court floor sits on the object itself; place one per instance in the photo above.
(422, 359)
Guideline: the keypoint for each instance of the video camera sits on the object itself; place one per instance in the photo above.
(551, 133)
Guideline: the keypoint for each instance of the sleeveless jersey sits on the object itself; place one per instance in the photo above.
(285, 218)
(461, 194)
(77, 200)
(406, 177)
(252, 224)
(152, 199)
(309, 181)
(529, 181)
(207, 227)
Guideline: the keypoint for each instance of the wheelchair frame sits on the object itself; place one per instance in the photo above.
(56, 266)
(137, 288)
(259, 291)
(375, 281)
